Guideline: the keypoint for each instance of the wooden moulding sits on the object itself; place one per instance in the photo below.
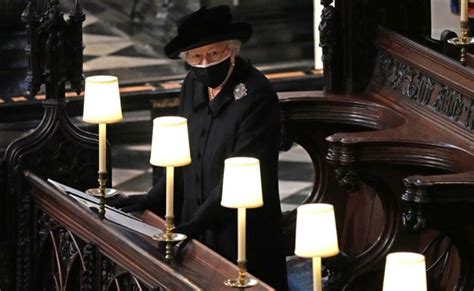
(434, 91)
(422, 169)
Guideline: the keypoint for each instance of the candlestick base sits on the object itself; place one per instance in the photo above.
(109, 192)
(169, 235)
(101, 193)
(164, 237)
(169, 238)
(463, 41)
(238, 283)
(242, 281)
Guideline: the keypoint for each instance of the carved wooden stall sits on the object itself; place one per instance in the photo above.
(56, 148)
(435, 96)
(391, 142)
(398, 118)
(308, 117)
(399, 165)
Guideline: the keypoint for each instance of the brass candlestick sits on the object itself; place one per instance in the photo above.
(170, 148)
(170, 238)
(242, 281)
(102, 106)
(102, 181)
(463, 42)
(102, 192)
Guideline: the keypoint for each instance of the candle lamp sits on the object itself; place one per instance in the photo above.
(241, 189)
(170, 148)
(405, 271)
(316, 236)
(101, 106)
(464, 41)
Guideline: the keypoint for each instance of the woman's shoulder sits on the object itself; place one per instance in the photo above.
(259, 86)
(252, 75)
(258, 82)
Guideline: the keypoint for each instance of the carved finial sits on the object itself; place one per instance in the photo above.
(29, 14)
(53, 9)
(77, 13)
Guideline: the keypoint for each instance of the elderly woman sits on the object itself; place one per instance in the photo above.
(232, 110)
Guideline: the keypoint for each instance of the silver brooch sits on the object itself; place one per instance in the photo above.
(240, 91)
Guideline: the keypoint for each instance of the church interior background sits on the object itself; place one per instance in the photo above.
(126, 38)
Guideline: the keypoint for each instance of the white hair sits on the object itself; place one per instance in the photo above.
(232, 43)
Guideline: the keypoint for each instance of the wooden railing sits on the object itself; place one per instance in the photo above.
(73, 249)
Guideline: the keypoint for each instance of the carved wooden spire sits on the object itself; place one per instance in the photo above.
(56, 148)
(33, 77)
(77, 13)
(54, 50)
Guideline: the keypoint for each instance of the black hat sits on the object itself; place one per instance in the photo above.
(206, 26)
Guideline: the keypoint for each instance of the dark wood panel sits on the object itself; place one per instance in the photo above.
(421, 169)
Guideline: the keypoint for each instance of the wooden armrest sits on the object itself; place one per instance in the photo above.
(337, 108)
(451, 188)
(398, 146)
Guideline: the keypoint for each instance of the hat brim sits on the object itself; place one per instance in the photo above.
(241, 31)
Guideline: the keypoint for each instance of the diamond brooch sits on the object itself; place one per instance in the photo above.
(240, 91)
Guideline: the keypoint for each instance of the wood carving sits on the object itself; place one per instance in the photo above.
(328, 41)
(56, 149)
(311, 116)
(426, 91)
(419, 169)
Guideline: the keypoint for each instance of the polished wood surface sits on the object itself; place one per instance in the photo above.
(199, 269)
(409, 183)
(397, 161)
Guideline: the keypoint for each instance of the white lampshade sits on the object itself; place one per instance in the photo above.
(102, 100)
(405, 271)
(316, 233)
(170, 142)
(242, 186)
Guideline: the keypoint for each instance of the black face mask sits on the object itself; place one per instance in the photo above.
(214, 74)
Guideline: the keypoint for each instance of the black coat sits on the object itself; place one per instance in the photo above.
(222, 128)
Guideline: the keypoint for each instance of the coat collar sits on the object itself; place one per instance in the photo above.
(226, 95)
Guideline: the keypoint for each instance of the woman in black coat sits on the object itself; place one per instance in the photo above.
(232, 110)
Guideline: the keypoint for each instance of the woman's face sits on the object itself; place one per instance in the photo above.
(209, 54)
